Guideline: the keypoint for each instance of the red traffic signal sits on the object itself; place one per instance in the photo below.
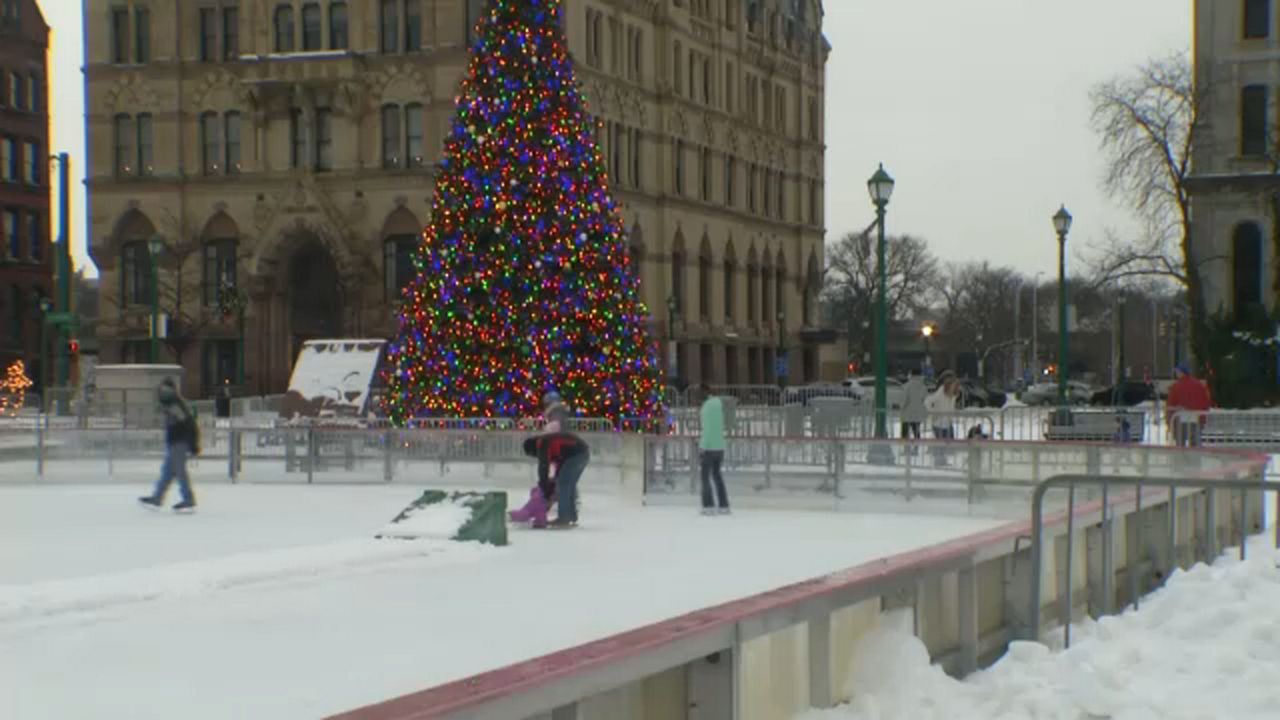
(73, 347)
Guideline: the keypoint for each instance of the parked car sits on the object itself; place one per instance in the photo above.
(973, 395)
(894, 392)
(1125, 394)
(1078, 393)
(801, 394)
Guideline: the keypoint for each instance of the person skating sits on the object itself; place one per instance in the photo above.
(914, 394)
(711, 453)
(1187, 393)
(569, 455)
(181, 439)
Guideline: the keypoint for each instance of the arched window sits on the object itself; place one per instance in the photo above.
(779, 285)
(135, 273)
(284, 28)
(391, 157)
(811, 291)
(124, 145)
(219, 277)
(1246, 264)
(401, 236)
(677, 277)
(635, 252)
(766, 275)
(209, 144)
(752, 287)
(311, 30)
(730, 283)
(338, 26)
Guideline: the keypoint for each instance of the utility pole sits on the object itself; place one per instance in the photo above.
(63, 265)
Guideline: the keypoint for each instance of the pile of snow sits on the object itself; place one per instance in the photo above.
(1207, 645)
(336, 372)
(438, 521)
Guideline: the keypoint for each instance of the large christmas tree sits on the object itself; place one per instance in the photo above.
(524, 282)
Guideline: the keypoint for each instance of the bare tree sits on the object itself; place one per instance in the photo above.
(1147, 122)
(850, 283)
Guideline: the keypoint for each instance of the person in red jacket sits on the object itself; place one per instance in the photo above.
(1187, 394)
(568, 455)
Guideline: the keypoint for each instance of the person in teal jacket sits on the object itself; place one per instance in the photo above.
(711, 451)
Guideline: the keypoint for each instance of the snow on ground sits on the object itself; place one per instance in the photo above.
(274, 601)
(1207, 645)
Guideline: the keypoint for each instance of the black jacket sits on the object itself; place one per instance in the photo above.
(554, 449)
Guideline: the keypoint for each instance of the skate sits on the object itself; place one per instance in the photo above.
(149, 502)
(184, 507)
(562, 524)
(532, 509)
(723, 511)
(708, 511)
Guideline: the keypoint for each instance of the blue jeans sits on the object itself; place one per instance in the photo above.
(567, 485)
(175, 464)
(711, 462)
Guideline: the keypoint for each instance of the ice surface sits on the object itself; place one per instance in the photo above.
(1205, 646)
(272, 602)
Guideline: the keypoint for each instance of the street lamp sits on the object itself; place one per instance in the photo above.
(1062, 225)
(156, 246)
(927, 331)
(45, 305)
(881, 188)
(782, 350)
(672, 307)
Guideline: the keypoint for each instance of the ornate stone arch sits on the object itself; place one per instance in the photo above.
(132, 226)
(220, 227)
(280, 244)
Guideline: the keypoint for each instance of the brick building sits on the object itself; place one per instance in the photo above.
(26, 256)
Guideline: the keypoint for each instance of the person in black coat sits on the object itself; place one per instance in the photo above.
(562, 456)
(181, 439)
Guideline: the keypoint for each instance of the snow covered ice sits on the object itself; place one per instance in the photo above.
(1205, 646)
(276, 601)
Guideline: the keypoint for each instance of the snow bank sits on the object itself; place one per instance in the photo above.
(1205, 646)
(438, 521)
(19, 603)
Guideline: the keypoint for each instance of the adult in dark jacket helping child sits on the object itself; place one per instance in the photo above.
(562, 456)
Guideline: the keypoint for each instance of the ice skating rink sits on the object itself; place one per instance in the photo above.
(276, 601)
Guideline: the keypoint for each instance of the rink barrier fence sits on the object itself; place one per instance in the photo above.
(966, 599)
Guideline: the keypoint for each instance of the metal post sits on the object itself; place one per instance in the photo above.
(1108, 552)
(1035, 330)
(63, 264)
(882, 326)
(1071, 522)
(44, 362)
(240, 346)
(1062, 323)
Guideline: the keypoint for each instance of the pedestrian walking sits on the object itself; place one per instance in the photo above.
(941, 406)
(711, 453)
(181, 439)
(914, 394)
(1188, 394)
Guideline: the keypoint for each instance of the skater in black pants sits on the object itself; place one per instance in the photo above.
(181, 439)
(711, 446)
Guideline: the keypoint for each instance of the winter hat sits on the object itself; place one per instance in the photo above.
(551, 397)
(1181, 368)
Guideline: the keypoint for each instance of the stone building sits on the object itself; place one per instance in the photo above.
(284, 150)
(1235, 189)
(26, 256)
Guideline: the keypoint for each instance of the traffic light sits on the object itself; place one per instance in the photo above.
(73, 347)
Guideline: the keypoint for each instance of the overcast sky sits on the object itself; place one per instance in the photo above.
(979, 110)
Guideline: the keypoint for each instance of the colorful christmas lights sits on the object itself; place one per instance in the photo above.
(524, 282)
(13, 388)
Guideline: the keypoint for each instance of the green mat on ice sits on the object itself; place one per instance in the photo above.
(464, 516)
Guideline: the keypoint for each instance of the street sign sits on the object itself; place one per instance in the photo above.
(780, 366)
(62, 318)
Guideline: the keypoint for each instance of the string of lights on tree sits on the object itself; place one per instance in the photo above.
(13, 388)
(524, 282)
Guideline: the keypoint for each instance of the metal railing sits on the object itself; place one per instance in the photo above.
(1244, 478)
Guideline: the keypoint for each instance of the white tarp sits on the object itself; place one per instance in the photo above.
(335, 374)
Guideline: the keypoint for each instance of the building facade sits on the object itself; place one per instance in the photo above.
(284, 151)
(26, 257)
(1235, 189)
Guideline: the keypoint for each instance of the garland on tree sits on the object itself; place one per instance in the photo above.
(524, 284)
(13, 388)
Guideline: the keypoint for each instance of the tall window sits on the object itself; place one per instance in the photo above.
(397, 264)
(35, 235)
(16, 95)
(813, 118)
(704, 171)
(729, 289)
(311, 35)
(219, 272)
(1246, 263)
(12, 163)
(730, 169)
(208, 34)
(391, 153)
(210, 150)
(390, 17)
(145, 166)
(231, 141)
(324, 139)
(412, 25)
(11, 234)
(120, 36)
(636, 134)
(141, 35)
(33, 92)
(677, 77)
(813, 202)
(297, 139)
(704, 285)
(284, 28)
(1257, 18)
(219, 363)
(679, 167)
(729, 82)
(338, 26)
(230, 33)
(1253, 120)
(135, 273)
(124, 139)
(34, 164)
(413, 136)
(474, 8)
(677, 281)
